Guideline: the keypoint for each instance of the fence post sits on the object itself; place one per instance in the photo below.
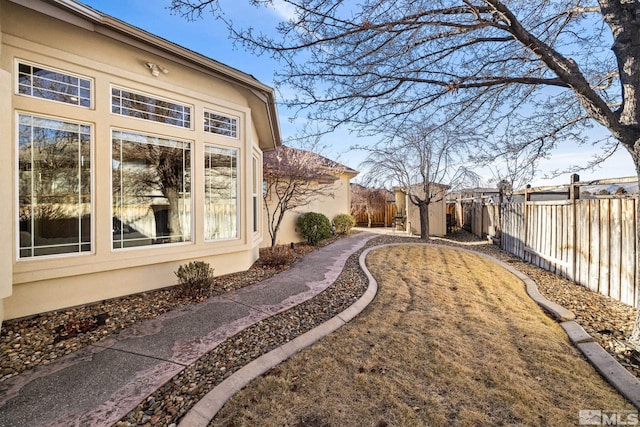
(574, 196)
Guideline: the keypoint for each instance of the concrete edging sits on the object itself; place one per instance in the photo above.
(207, 408)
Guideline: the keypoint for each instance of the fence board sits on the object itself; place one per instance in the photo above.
(615, 254)
(582, 244)
(563, 240)
(605, 244)
(627, 285)
(594, 246)
(572, 236)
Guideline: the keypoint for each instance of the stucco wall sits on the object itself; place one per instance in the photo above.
(329, 206)
(51, 282)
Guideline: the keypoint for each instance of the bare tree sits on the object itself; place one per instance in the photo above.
(294, 178)
(512, 171)
(547, 70)
(152, 170)
(368, 201)
(421, 160)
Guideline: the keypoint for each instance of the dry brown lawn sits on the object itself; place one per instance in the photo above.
(451, 339)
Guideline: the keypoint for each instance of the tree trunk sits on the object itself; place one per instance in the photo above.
(175, 225)
(273, 232)
(424, 220)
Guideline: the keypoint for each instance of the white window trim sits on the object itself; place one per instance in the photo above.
(238, 195)
(191, 241)
(16, 202)
(150, 95)
(256, 195)
(229, 116)
(18, 61)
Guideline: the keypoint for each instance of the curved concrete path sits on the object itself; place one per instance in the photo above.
(207, 408)
(101, 383)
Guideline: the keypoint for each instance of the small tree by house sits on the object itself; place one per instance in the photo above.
(294, 178)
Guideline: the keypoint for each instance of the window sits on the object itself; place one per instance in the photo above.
(58, 86)
(133, 104)
(254, 191)
(221, 193)
(151, 190)
(221, 125)
(54, 187)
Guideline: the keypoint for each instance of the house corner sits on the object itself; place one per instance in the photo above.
(6, 191)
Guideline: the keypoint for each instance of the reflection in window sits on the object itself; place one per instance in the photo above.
(151, 190)
(221, 193)
(54, 187)
(54, 85)
(132, 104)
(221, 125)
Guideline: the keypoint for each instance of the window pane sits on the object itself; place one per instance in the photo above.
(255, 193)
(53, 85)
(54, 186)
(221, 125)
(151, 190)
(221, 195)
(132, 104)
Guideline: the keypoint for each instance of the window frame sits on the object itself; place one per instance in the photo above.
(113, 87)
(18, 62)
(238, 192)
(92, 232)
(256, 187)
(235, 136)
(191, 174)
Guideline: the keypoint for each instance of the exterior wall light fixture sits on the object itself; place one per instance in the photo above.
(155, 69)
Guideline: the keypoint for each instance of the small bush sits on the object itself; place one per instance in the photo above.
(276, 256)
(314, 227)
(194, 279)
(344, 223)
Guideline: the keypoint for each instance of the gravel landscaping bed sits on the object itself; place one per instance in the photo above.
(41, 339)
(37, 340)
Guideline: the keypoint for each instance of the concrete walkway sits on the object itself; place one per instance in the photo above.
(99, 384)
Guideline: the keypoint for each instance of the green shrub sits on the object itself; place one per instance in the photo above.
(314, 227)
(194, 279)
(344, 223)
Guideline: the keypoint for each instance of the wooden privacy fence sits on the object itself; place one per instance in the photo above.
(382, 217)
(591, 242)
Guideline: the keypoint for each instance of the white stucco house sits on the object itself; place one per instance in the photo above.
(122, 156)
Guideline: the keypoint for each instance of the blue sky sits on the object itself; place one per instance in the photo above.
(210, 38)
